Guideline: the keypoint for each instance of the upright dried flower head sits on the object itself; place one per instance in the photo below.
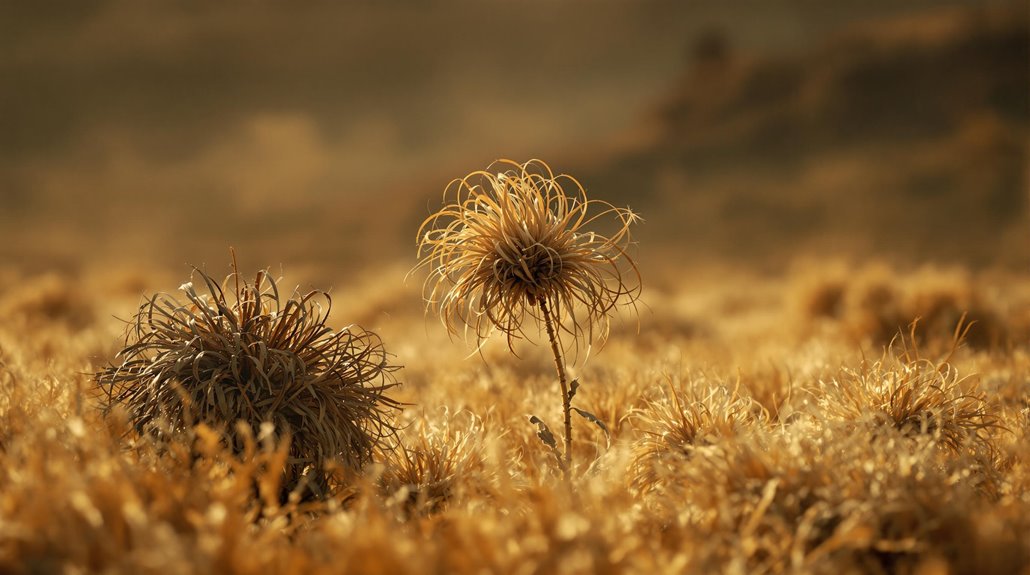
(516, 240)
(254, 358)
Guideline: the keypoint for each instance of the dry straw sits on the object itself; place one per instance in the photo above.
(240, 352)
(514, 243)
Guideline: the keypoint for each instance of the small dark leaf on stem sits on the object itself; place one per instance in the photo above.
(543, 432)
(547, 438)
(593, 419)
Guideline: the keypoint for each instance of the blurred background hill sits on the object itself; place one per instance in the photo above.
(902, 137)
(753, 133)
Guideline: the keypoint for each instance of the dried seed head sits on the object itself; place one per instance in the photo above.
(512, 239)
(254, 358)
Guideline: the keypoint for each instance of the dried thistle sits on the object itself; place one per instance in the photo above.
(242, 353)
(514, 241)
(515, 244)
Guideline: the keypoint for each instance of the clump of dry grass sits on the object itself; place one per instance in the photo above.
(876, 304)
(241, 352)
(682, 419)
(914, 396)
(46, 299)
(815, 498)
(436, 463)
(516, 244)
(822, 297)
(941, 303)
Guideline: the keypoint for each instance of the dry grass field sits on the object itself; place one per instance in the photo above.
(758, 424)
(825, 369)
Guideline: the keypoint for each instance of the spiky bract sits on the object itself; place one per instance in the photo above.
(513, 238)
(256, 358)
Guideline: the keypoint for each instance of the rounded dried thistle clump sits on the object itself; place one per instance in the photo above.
(513, 240)
(255, 358)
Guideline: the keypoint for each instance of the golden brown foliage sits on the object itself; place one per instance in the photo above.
(877, 304)
(915, 397)
(682, 420)
(769, 453)
(436, 463)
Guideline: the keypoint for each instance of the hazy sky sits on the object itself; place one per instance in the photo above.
(385, 90)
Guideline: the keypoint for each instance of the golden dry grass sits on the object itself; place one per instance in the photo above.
(749, 435)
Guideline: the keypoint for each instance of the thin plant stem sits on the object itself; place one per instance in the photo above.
(559, 365)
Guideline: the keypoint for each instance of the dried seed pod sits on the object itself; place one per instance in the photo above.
(243, 353)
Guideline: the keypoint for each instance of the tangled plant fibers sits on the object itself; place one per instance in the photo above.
(257, 358)
(513, 241)
(516, 243)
